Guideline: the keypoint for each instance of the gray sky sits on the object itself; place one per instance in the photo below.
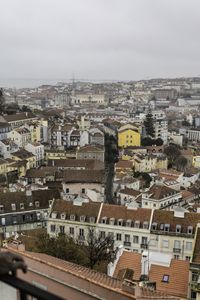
(98, 39)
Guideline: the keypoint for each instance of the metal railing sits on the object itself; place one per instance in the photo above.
(26, 289)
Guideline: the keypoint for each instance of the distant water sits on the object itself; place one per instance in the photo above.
(28, 83)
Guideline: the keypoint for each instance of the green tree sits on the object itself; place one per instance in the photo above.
(149, 126)
(181, 163)
(63, 247)
(173, 152)
(99, 249)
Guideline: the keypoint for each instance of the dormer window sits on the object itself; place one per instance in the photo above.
(154, 226)
(120, 222)
(137, 224)
(13, 206)
(166, 227)
(54, 215)
(178, 228)
(190, 230)
(161, 226)
(112, 221)
(72, 217)
(104, 220)
(145, 225)
(63, 216)
(21, 205)
(37, 204)
(92, 219)
(128, 223)
(82, 218)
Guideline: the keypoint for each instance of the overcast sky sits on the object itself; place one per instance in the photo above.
(98, 39)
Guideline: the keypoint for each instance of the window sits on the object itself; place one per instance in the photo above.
(137, 224)
(63, 216)
(165, 244)
(154, 226)
(176, 256)
(146, 203)
(127, 238)
(190, 230)
(3, 221)
(188, 246)
(1, 208)
(71, 230)
(53, 228)
(166, 227)
(37, 204)
(128, 223)
(92, 219)
(102, 234)
(13, 206)
(82, 218)
(177, 244)
(119, 237)
(120, 222)
(178, 228)
(83, 191)
(145, 225)
(72, 217)
(62, 229)
(112, 221)
(81, 232)
(54, 215)
(135, 239)
(165, 278)
(104, 220)
(144, 240)
(161, 226)
(21, 205)
(111, 235)
(67, 191)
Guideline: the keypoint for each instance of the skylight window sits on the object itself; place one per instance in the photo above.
(165, 278)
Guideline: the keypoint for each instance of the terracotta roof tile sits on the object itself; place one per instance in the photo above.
(77, 176)
(88, 210)
(122, 212)
(178, 273)
(168, 217)
(129, 260)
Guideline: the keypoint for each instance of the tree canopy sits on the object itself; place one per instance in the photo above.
(149, 125)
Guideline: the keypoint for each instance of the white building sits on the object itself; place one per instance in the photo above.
(38, 150)
(137, 229)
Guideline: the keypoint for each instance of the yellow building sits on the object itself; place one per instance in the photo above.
(128, 137)
(3, 167)
(162, 162)
(196, 161)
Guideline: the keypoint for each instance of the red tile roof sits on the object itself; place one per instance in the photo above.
(178, 273)
(129, 260)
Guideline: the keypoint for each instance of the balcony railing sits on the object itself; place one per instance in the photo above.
(144, 246)
(26, 289)
(127, 244)
(176, 250)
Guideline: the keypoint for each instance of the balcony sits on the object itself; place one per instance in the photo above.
(176, 250)
(81, 238)
(25, 289)
(128, 244)
(144, 246)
